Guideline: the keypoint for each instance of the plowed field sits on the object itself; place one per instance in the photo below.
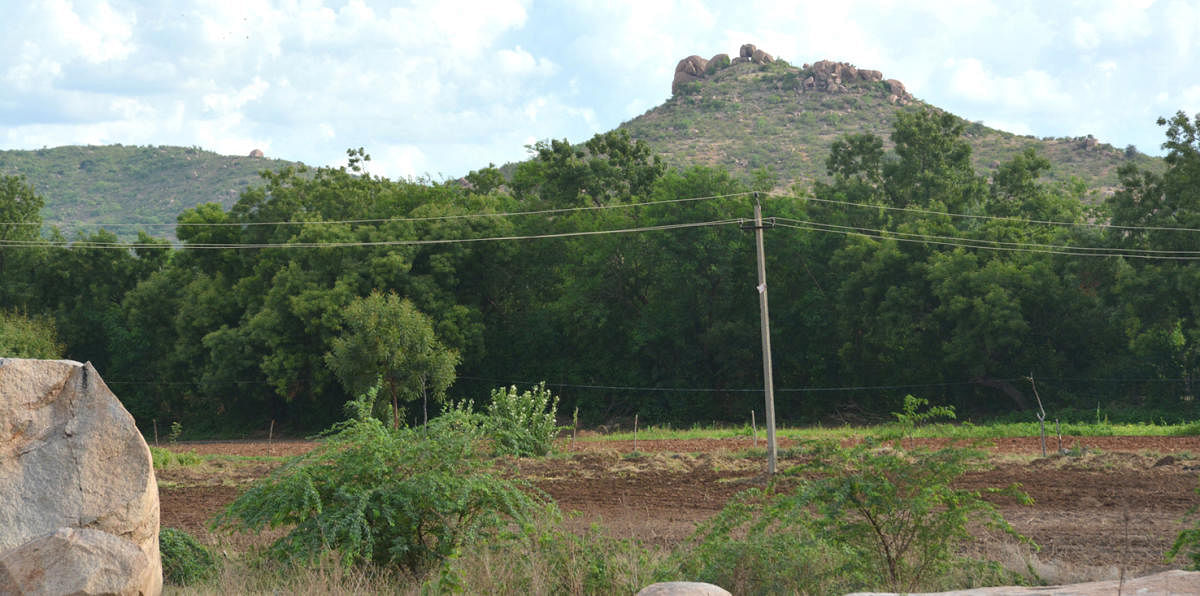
(1117, 505)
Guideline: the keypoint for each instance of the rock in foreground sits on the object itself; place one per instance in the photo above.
(71, 459)
(1167, 582)
(682, 589)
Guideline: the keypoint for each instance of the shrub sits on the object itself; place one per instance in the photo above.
(1188, 540)
(411, 497)
(28, 337)
(184, 560)
(522, 424)
(851, 519)
(164, 458)
(553, 561)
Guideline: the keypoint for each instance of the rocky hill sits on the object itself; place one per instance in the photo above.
(87, 186)
(756, 111)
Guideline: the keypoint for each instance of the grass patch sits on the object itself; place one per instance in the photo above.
(963, 430)
(165, 459)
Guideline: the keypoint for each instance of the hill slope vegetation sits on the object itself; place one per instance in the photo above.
(87, 186)
(782, 118)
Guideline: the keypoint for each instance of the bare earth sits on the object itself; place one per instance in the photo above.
(1118, 506)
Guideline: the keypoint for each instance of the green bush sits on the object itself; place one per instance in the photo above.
(164, 458)
(1188, 540)
(553, 561)
(28, 337)
(184, 560)
(522, 424)
(410, 497)
(852, 519)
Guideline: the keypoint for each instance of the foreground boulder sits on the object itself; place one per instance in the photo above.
(1167, 582)
(73, 466)
(77, 561)
(682, 589)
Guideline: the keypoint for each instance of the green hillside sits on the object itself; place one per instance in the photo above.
(747, 116)
(85, 186)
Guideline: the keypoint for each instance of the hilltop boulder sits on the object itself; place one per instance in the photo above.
(689, 69)
(870, 75)
(71, 459)
(825, 75)
(717, 62)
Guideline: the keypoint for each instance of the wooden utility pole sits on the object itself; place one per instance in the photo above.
(765, 319)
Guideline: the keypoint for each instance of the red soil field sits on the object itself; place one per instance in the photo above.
(1117, 506)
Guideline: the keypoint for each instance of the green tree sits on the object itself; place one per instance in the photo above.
(934, 167)
(20, 223)
(387, 338)
(28, 337)
(1160, 310)
(609, 168)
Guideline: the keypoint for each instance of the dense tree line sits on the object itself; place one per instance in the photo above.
(879, 287)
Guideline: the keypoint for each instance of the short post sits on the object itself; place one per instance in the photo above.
(270, 437)
(635, 425)
(156, 432)
(1041, 415)
(754, 428)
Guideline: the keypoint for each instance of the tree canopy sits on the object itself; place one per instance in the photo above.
(629, 288)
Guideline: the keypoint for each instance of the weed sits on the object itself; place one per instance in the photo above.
(854, 518)
(165, 459)
(184, 560)
(407, 497)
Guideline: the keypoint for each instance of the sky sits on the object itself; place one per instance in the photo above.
(435, 89)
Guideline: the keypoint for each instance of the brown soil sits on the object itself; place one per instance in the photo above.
(1117, 505)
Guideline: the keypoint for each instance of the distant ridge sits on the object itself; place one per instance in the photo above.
(88, 186)
(757, 111)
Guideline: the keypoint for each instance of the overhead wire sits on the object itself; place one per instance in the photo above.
(1019, 220)
(554, 211)
(995, 245)
(411, 242)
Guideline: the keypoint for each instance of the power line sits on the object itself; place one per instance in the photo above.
(996, 217)
(401, 219)
(995, 245)
(227, 246)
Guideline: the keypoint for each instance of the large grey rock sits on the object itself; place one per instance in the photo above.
(78, 562)
(683, 589)
(71, 457)
(1167, 582)
(689, 69)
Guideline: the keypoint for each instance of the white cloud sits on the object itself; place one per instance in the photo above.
(1085, 35)
(970, 79)
(1108, 21)
(399, 161)
(1190, 100)
(520, 62)
(1182, 20)
(449, 86)
(98, 35)
(229, 102)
